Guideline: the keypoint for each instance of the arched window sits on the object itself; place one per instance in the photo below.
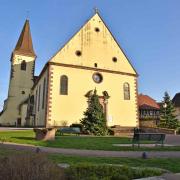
(126, 88)
(23, 65)
(44, 90)
(64, 85)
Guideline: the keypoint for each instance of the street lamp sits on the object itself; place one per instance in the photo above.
(165, 105)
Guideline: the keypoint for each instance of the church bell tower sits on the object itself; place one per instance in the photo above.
(21, 78)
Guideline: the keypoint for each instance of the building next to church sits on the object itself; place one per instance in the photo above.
(149, 111)
(91, 59)
(176, 102)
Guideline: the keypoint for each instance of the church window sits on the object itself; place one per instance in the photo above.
(64, 85)
(32, 99)
(39, 97)
(36, 101)
(97, 77)
(97, 29)
(114, 59)
(78, 53)
(23, 92)
(95, 65)
(23, 65)
(44, 87)
(126, 91)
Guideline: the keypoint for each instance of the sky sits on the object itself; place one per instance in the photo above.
(148, 32)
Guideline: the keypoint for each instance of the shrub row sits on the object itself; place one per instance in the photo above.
(33, 166)
(107, 172)
(29, 167)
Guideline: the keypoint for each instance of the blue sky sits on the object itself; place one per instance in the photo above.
(148, 32)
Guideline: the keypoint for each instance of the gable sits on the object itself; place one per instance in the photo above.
(146, 101)
(94, 46)
(176, 100)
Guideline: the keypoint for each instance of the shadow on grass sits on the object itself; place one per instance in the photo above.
(24, 138)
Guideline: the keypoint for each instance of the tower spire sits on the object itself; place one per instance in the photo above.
(24, 45)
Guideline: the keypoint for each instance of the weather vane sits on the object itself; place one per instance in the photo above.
(27, 14)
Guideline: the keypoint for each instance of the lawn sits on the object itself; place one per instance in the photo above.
(171, 164)
(77, 142)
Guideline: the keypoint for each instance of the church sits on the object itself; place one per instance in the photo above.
(91, 59)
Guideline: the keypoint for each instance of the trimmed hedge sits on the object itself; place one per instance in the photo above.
(107, 172)
(30, 166)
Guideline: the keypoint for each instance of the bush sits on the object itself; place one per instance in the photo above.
(94, 121)
(107, 172)
(110, 131)
(29, 166)
(146, 172)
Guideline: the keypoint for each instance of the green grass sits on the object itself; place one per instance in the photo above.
(78, 142)
(171, 164)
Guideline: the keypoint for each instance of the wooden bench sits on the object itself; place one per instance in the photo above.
(70, 130)
(157, 138)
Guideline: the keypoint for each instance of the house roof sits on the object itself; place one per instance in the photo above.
(176, 100)
(24, 45)
(146, 102)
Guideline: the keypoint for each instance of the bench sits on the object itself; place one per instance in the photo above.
(70, 130)
(157, 138)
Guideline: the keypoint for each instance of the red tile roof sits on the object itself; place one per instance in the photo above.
(146, 101)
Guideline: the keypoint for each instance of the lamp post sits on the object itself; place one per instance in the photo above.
(165, 106)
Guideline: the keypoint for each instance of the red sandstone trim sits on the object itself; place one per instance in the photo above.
(47, 94)
(136, 103)
(49, 103)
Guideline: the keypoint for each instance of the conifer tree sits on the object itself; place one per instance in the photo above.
(94, 121)
(167, 117)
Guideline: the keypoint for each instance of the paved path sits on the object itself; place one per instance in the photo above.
(94, 153)
(172, 139)
(169, 176)
(14, 128)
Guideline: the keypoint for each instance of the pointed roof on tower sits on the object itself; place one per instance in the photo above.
(24, 45)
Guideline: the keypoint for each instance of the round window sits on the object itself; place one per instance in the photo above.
(97, 77)
(78, 53)
(97, 29)
(114, 59)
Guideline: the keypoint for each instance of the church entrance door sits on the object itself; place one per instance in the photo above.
(19, 122)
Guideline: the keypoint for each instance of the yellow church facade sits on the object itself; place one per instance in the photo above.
(91, 59)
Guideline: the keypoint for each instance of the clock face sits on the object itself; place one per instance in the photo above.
(97, 77)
